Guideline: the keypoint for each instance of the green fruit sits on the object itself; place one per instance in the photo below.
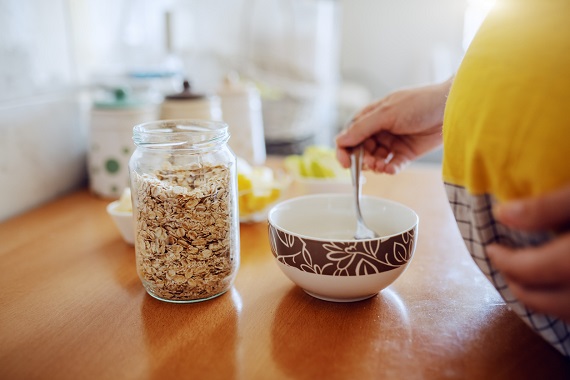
(320, 170)
(316, 162)
(293, 164)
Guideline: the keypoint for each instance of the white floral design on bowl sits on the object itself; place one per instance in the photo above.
(338, 258)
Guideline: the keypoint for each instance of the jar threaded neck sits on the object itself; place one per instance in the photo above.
(188, 134)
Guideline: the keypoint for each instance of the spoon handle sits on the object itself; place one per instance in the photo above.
(362, 230)
(356, 164)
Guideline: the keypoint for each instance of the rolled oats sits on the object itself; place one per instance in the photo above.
(184, 231)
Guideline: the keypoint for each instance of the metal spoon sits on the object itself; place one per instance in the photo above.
(362, 231)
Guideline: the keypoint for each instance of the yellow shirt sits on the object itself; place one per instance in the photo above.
(507, 120)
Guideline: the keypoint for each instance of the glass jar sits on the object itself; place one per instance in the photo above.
(184, 193)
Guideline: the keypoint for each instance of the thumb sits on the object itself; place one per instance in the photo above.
(551, 210)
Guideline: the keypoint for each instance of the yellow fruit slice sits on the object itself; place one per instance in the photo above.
(244, 182)
(257, 188)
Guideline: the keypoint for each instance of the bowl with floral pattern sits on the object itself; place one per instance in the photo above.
(312, 241)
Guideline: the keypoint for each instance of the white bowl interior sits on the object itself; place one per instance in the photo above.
(332, 216)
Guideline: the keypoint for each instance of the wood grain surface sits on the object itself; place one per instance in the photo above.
(72, 307)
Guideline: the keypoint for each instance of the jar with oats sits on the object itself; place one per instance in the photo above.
(184, 193)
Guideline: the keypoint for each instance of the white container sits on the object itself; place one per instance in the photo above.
(190, 105)
(111, 143)
(241, 110)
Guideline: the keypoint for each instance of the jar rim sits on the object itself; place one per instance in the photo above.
(180, 133)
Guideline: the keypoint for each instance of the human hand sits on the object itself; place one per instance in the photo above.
(538, 276)
(397, 129)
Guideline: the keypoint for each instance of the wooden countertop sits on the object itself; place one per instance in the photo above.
(72, 307)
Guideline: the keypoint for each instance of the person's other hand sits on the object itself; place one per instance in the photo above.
(396, 129)
(538, 276)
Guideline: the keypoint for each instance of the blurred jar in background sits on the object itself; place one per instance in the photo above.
(241, 110)
(112, 118)
(291, 49)
(190, 105)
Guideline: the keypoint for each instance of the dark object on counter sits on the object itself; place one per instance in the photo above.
(285, 148)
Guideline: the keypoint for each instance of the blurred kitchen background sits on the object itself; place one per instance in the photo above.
(313, 62)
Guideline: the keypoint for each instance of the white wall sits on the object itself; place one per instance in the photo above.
(387, 45)
(391, 44)
(384, 44)
(35, 54)
(42, 150)
(42, 136)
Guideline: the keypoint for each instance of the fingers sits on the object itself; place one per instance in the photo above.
(544, 266)
(384, 154)
(396, 164)
(554, 302)
(371, 155)
(351, 137)
(345, 141)
(343, 157)
(548, 211)
(539, 276)
(378, 152)
(366, 123)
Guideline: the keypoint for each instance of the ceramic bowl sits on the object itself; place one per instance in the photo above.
(123, 220)
(312, 241)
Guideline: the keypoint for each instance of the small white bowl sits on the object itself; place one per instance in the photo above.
(311, 238)
(123, 220)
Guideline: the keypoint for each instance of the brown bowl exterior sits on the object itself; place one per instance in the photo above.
(342, 258)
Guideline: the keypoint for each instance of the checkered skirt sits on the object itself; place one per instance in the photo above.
(478, 228)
